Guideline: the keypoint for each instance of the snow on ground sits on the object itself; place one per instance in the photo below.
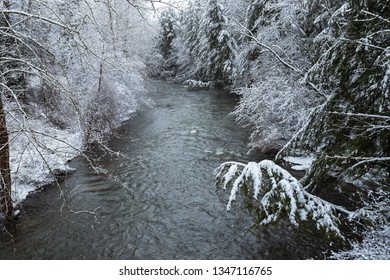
(300, 163)
(375, 246)
(36, 149)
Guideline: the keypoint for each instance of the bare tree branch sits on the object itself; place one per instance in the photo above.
(289, 64)
(48, 20)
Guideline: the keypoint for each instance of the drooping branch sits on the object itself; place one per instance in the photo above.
(277, 194)
(360, 160)
(361, 115)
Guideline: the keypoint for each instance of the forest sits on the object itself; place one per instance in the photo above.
(312, 79)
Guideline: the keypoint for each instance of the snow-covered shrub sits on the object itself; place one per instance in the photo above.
(275, 109)
(38, 150)
(114, 97)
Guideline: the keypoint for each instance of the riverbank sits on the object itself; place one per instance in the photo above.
(40, 151)
(159, 200)
(161, 138)
(38, 154)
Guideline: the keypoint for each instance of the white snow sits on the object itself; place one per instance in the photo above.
(36, 149)
(375, 246)
(300, 163)
(276, 192)
(197, 84)
(89, 84)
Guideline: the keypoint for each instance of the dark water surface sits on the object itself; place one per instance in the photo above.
(160, 201)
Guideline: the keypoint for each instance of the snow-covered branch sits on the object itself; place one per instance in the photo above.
(251, 36)
(39, 17)
(363, 43)
(277, 194)
(361, 115)
(375, 16)
(70, 73)
(360, 160)
(288, 62)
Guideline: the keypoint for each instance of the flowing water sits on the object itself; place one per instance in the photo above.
(159, 200)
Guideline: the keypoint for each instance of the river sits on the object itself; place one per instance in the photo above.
(158, 200)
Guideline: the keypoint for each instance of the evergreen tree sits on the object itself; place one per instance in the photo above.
(352, 127)
(219, 50)
(260, 23)
(167, 33)
(165, 64)
(190, 26)
(348, 134)
(186, 43)
(323, 21)
(255, 15)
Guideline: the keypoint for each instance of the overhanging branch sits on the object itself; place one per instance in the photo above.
(51, 21)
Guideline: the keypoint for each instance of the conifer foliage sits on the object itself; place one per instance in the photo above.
(204, 48)
(313, 81)
(218, 48)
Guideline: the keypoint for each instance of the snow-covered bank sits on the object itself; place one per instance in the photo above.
(40, 151)
(37, 150)
(299, 163)
(375, 246)
(62, 65)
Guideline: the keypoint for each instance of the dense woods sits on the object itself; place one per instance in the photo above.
(313, 81)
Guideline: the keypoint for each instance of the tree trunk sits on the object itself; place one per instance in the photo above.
(5, 172)
(6, 206)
